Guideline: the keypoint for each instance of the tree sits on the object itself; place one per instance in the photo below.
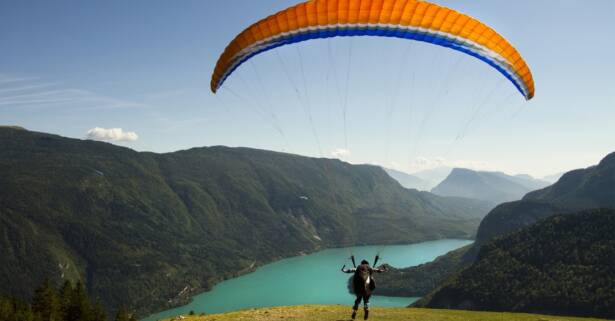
(46, 302)
(79, 307)
(66, 291)
(98, 312)
(16, 310)
(122, 315)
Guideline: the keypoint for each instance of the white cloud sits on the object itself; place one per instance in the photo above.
(111, 134)
(341, 153)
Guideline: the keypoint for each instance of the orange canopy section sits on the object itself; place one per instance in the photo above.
(405, 19)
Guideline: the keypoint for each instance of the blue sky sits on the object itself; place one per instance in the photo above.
(67, 67)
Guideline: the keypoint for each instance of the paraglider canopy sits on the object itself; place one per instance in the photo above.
(405, 19)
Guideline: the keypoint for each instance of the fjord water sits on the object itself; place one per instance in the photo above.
(310, 279)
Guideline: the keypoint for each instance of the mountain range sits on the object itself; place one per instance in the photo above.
(150, 230)
(589, 188)
(408, 180)
(423, 180)
(564, 272)
(433, 176)
(577, 190)
(494, 187)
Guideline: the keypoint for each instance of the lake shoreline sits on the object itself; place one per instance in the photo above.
(192, 293)
(189, 295)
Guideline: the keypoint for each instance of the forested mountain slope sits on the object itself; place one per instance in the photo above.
(562, 265)
(593, 187)
(149, 230)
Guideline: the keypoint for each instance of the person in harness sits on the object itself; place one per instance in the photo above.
(363, 284)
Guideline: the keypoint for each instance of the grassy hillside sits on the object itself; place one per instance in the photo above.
(338, 313)
(561, 265)
(150, 230)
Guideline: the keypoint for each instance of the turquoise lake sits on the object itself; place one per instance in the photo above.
(310, 279)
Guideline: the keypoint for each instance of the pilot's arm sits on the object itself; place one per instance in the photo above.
(345, 270)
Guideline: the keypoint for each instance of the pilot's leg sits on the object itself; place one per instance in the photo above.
(355, 307)
(366, 306)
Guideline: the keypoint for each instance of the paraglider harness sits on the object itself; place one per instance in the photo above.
(362, 283)
(354, 264)
(362, 277)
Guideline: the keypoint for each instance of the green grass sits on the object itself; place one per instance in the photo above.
(339, 313)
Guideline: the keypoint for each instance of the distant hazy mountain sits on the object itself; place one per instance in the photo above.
(148, 230)
(495, 187)
(407, 180)
(553, 177)
(434, 176)
(526, 180)
(561, 265)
